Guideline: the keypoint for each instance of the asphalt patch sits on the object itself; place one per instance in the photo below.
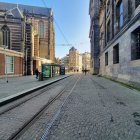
(136, 115)
(111, 120)
(137, 122)
(121, 103)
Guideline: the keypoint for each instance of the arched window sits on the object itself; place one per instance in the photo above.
(6, 36)
(41, 29)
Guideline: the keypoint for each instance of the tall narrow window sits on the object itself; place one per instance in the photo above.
(9, 66)
(108, 31)
(116, 54)
(120, 10)
(41, 29)
(135, 46)
(108, 5)
(6, 36)
(106, 58)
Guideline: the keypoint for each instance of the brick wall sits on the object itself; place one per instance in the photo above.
(18, 65)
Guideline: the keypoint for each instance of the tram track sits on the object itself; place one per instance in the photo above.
(36, 117)
(13, 104)
(16, 111)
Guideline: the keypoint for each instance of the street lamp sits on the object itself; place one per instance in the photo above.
(5, 47)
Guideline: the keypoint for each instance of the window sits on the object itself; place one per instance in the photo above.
(116, 54)
(108, 5)
(9, 65)
(137, 3)
(108, 31)
(135, 46)
(120, 15)
(41, 29)
(106, 58)
(6, 36)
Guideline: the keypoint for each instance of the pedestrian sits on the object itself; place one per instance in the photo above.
(85, 71)
(36, 73)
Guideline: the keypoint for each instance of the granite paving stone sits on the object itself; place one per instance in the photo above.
(98, 109)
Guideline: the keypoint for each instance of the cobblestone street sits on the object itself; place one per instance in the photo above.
(98, 109)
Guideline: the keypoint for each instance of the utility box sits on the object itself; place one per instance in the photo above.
(46, 70)
(62, 70)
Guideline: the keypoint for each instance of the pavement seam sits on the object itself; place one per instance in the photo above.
(49, 125)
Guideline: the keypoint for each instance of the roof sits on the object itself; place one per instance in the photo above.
(15, 12)
(26, 9)
(73, 49)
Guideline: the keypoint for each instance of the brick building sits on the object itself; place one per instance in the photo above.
(118, 37)
(11, 42)
(29, 34)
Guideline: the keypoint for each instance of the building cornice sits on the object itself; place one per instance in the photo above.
(44, 60)
(11, 52)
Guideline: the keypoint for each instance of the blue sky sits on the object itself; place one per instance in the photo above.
(73, 19)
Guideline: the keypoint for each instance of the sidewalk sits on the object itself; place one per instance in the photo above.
(21, 85)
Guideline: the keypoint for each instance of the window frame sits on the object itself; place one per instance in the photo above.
(119, 14)
(41, 29)
(108, 6)
(6, 36)
(108, 31)
(116, 54)
(106, 59)
(8, 64)
(135, 44)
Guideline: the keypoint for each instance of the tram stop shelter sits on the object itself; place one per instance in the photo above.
(52, 70)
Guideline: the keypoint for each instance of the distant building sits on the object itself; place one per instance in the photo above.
(57, 61)
(73, 59)
(29, 34)
(115, 48)
(80, 62)
(86, 61)
(65, 62)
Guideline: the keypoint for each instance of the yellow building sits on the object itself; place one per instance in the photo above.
(65, 62)
(86, 60)
(43, 50)
(73, 59)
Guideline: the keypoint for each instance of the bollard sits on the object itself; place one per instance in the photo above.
(40, 76)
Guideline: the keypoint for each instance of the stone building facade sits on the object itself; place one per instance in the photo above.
(80, 63)
(86, 61)
(119, 39)
(94, 35)
(65, 62)
(73, 59)
(29, 34)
